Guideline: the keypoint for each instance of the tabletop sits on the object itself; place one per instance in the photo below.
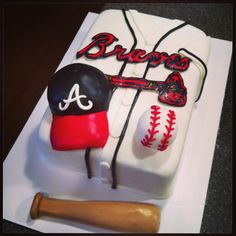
(35, 39)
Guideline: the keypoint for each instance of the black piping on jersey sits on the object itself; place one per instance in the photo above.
(204, 66)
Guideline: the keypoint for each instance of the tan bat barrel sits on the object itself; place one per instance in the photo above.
(114, 215)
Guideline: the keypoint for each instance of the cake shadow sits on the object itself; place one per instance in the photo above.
(80, 226)
(36, 169)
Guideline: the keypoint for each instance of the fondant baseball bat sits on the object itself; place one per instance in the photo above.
(114, 215)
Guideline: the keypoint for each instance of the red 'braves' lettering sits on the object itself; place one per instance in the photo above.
(103, 40)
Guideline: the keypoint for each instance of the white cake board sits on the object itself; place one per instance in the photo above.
(24, 173)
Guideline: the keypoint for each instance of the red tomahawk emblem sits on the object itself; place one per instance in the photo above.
(171, 91)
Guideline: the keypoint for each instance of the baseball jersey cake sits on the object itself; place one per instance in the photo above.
(121, 110)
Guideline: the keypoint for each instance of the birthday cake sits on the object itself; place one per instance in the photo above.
(121, 110)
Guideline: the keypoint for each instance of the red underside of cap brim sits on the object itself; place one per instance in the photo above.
(73, 132)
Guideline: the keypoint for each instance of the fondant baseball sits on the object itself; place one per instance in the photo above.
(157, 128)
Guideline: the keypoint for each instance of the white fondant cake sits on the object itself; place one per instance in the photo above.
(138, 166)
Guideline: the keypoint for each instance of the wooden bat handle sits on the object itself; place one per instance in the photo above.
(120, 216)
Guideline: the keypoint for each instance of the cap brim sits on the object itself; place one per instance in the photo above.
(73, 132)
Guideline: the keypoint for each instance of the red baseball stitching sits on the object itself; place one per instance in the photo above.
(149, 138)
(165, 141)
